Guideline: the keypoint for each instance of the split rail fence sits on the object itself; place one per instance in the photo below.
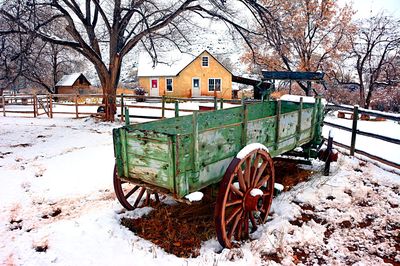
(39, 105)
(355, 113)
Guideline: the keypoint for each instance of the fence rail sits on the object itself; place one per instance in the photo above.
(394, 117)
(356, 111)
(38, 105)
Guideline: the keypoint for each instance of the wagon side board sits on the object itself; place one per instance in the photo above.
(186, 154)
(146, 156)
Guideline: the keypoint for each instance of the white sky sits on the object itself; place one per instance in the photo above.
(366, 8)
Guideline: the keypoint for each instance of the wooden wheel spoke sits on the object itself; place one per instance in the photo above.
(236, 191)
(254, 169)
(233, 228)
(253, 221)
(247, 171)
(260, 171)
(246, 225)
(147, 202)
(235, 212)
(239, 231)
(234, 202)
(266, 193)
(242, 184)
(262, 181)
(139, 197)
(131, 192)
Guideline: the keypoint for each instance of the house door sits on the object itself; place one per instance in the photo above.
(154, 87)
(196, 87)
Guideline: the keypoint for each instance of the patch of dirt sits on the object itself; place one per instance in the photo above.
(329, 231)
(366, 222)
(307, 214)
(41, 247)
(271, 256)
(179, 229)
(21, 145)
(53, 213)
(345, 224)
(290, 174)
(2, 154)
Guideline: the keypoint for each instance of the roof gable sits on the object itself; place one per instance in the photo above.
(209, 54)
(69, 80)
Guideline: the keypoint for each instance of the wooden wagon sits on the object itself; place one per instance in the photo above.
(233, 147)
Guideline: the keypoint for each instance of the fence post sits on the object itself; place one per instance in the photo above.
(176, 108)
(122, 107)
(221, 103)
(215, 103)
(354, 130)
(76, 106)
(163, 107)
(51, 105)
(4, 105)
(127, 118)
(34, 105)
(329, 153)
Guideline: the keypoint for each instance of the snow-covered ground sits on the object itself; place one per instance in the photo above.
(57, 206)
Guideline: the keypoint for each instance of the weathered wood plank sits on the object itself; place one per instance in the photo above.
(218, 144)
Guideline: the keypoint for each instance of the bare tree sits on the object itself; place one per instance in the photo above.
(305, 35)
(374, 50)
(104, 32)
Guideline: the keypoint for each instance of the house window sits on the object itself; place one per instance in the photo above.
(196, 83)
(214, 84)
(169, 83)
(204, 61)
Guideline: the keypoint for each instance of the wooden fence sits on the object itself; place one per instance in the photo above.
(38, 105)
(355, 113)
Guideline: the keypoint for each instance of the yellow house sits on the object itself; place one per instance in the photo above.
(184, 75)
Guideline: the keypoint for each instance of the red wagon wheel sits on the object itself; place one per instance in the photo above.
(125, 194)
(245, 196)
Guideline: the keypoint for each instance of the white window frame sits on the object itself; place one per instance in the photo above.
(166, 85)
(220, 85)
(202, 61)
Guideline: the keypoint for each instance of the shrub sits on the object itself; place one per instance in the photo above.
(140, 92)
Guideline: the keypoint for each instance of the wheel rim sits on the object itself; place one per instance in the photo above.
(132, 196)
(244, 197)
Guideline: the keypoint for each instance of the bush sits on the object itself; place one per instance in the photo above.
(140, 92)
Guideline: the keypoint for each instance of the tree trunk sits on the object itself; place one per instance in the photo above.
(109, 97)
(369, 97)
(109, 82)
(362, 95)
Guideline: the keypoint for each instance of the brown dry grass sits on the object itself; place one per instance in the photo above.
(178, 229)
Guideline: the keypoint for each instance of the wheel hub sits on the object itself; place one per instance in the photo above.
(253, 200)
